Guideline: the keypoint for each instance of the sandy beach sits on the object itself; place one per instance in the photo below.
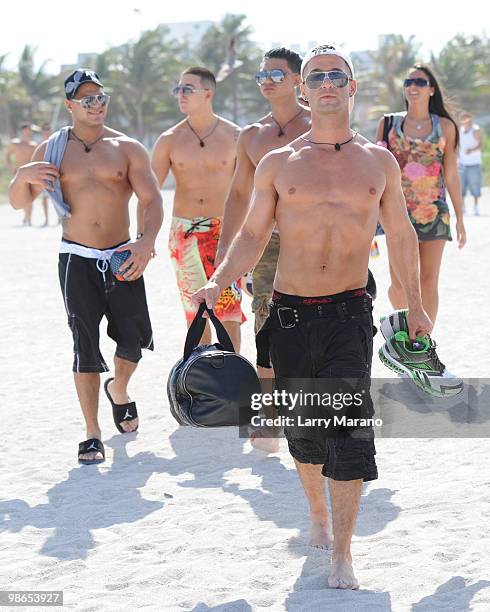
(180, 519)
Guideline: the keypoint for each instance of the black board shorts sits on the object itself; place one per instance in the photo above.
(90, 292)
(339, 345)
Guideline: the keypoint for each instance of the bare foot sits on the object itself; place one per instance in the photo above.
(320, 531)
(122, 398)
(260, 442)
(341, 574)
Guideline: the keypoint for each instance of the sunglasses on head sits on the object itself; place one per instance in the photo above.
(90, 101)
(186, 90)
(418, 82)
(316, 79)
(276, 76)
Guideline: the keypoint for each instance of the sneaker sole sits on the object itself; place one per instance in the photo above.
(399, 368)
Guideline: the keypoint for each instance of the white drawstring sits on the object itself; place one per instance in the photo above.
(103, 263)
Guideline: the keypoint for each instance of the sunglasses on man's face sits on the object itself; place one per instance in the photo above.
(316, 79)
(185, 90)
(418, 82)
(276, 76)
(88, 102)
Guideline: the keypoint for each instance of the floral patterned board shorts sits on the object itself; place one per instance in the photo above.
(192, 244)
(421, 164)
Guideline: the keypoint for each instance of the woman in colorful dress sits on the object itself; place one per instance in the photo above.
(424, 140)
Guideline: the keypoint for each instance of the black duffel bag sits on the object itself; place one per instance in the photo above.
(211, 386)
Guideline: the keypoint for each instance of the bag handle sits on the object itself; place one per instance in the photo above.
(196, 330)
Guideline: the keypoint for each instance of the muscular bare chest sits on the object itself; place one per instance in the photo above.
(330, 187)
(105, 163)
(217, 155)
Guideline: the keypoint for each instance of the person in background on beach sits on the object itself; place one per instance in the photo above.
(200, 151)
(470, 158)
(424, 140)
(18, 153)
(326, 190)
(98, 173)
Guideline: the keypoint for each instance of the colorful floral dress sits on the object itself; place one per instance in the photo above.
(420, 161)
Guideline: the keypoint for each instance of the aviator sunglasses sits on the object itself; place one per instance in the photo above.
(316, 79)
(276, 76)
(186, 90)
(90, 101)
(418, 82)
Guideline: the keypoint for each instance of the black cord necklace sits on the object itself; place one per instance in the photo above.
(282, 128)
(336, 145)
(89, 146)
(201, 140)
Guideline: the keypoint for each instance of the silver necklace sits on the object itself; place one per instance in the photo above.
(419, 126)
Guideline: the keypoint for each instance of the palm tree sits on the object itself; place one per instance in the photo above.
(391, 61)
(37, 85)
(141, 74)
(228, 51)
(7, 94)
(463, 65)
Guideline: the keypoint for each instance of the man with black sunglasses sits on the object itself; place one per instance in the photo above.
(201, 153)
(278, 77)
(91, 176)
(325, 191)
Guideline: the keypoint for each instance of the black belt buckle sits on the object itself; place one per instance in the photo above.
(286, 325)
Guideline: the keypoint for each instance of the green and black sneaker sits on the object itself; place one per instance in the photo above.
(393, 323)
(419, 361)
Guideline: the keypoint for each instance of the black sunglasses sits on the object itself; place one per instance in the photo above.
(418, 82)
(316, 79)
(276, 76)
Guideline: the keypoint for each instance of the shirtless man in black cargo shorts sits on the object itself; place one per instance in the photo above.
(325, 190)
(99, 172)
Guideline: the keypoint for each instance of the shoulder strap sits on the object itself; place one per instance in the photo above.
(387, 125)
(436, 122)
(196, 330)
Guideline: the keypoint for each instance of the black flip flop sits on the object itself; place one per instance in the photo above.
(94, 445)
(121, 412)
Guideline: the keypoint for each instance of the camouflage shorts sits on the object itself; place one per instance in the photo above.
(263, 281)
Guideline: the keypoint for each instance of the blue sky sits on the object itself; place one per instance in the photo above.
(60, 32)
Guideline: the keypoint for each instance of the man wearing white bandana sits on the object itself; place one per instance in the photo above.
(326, 190)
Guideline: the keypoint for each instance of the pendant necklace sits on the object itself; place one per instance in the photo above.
(201, 140)
(336, 145)
(88, 146)
(283, 128)
(419, 126)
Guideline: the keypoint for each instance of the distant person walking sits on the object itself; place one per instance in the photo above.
(19, 152)
(424, 140)
(470, 158)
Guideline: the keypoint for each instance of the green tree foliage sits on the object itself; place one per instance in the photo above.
(391, 61)
(463, 66)
(140, 76)
(227, 50)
